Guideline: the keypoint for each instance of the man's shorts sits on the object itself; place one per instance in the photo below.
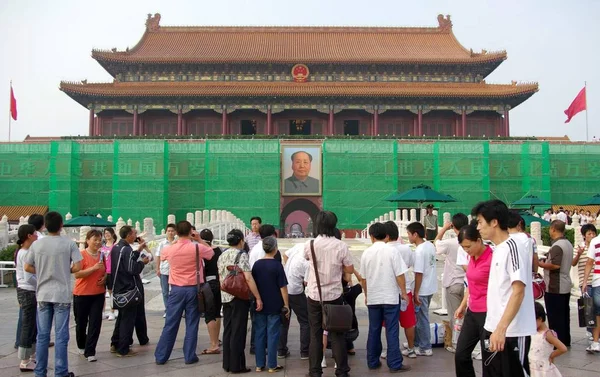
(408, 317)
(596, 297)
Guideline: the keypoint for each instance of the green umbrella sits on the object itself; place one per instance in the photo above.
(593, 201)
(420, 194)
(531, 201)
(530, 218)
(88, 220)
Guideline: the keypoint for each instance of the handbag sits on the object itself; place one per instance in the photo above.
(235, 282)
(126, 299)
(206, 299)
(336, 318)
(539, 286)
(585, 311)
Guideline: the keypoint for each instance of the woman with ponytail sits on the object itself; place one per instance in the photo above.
(88, 296)
(26, 285)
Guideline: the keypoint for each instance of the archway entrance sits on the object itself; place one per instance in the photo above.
(298, 218)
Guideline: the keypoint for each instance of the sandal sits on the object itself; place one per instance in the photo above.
(211, 352)
(278, 368)
(27, 367)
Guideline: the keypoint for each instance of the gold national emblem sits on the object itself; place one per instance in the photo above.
(300, 73)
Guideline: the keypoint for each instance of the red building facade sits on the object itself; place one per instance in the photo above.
(299, 80)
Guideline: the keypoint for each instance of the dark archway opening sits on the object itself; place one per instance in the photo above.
(293, 207)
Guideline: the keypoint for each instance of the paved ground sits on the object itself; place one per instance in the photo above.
(575, 363)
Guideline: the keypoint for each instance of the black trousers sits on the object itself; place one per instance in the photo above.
(123, 332)
(338, 341)
(141, 326)
(298, 305)
(559, 315)
(472, 333)
(513, 361)
(28, 335)
(235, 327)
(252, 332)
(87, 311)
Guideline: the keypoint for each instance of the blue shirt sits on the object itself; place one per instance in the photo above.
(270, 278)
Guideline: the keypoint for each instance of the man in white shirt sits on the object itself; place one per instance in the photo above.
(162, 266)
(253, 237)
(408, 319)
(296, 268)
(510, 320)
(425, 286)
(453, 281)
(592, 268)
(37, 221)
(562, 215)
(383, 284)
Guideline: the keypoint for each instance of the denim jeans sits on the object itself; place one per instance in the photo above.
(423, 331)
(377, 315)
(19, 328)
(47, 311)
(180, 299)
(164, 286)
(266, 336)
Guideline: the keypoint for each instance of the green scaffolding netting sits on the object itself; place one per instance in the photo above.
(153, 178)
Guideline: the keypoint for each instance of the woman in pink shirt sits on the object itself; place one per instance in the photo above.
(478, 272)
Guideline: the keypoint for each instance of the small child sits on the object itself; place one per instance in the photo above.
(545, 347)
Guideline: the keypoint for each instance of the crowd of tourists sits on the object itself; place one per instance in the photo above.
(566, 216)
(489, 278)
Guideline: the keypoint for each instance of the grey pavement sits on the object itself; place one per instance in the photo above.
(575, 363)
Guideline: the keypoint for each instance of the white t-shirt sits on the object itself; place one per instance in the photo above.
(453, 272)
(511, 262)
(425, 264)
(562, 217)
(39, 234)
(462, 258)
(527, 241)
(380, 264)
(25, 280)
(256, 253)
(296, 269)
(594, 253)
(164, 264)
(408, 256)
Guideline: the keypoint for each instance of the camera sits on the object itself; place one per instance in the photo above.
(486, 345)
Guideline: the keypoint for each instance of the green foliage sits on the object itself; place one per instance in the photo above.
(547, 241)
(8, 253)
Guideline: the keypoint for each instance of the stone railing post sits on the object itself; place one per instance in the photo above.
(536, 232)
(82, 233)
(404, 215)
(198, 220)
(120, 224)
(171, 219)
(447, 218)
(68, 216)
(413, 215)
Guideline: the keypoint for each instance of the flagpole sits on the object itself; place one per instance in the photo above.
(9, 109)
(587, 136)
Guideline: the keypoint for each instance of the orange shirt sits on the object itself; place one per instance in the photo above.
(182, 261)
(88, 286)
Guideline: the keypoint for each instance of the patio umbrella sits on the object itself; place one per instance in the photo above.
(593, 201)
(531, 201)
(529, 219)
(420, 194)
(88, 220)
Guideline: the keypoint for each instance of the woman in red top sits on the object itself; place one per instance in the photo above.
(478, 272)
(88, 296)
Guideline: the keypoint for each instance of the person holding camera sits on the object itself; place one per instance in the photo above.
(271, 283)
(126, 276)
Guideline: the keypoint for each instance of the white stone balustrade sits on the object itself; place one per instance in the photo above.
(171, 219)
(536, 232)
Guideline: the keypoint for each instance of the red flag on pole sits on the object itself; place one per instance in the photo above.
(578, 105)
(13, 104)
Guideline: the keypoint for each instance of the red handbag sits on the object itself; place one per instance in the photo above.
(235, 282)
(539, 286)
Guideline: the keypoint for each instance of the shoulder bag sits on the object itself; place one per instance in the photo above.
(129, 298)
(539, 286)
(206, 299)
(336, 318)
(235, 282)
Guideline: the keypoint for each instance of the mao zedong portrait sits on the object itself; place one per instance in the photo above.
(300, 182)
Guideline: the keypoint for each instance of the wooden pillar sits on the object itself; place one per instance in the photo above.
(179, 122)
(91, 123)
(464, 122)
(376, 122)
(331, 121)
(224, 122)
(506, 124)
(457, 127)
(415, 129)
(135, 121)
(420, 122)
(269, 121)
(184, 125)
(96, 126)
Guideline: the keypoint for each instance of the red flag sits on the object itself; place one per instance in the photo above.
(13, 104)
(578, 105)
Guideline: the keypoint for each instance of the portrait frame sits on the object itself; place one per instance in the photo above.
(288, 181)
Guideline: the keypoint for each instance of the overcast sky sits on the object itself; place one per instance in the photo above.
(552, 42)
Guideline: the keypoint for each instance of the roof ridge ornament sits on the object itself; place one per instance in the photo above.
(153, 22)
(445, 25)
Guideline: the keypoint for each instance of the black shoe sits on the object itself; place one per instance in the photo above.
(376, 367)
(247, 370)
(404, 368)
(303, 356)
(283, 355)
(71, 374)
(193, 361)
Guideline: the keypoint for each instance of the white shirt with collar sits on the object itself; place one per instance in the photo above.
(380, 264)
(408, 256)
(256, 253)
(296, 269)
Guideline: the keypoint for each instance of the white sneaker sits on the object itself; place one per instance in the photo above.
(476, 355)
(451, 349)
(111, 316)
(405, 345)
(409, 352)
(420, 352)
(91, 359)
(107, 295)
(593, 348)
(145, 281)
(335, 365)
(324, 363)
(81, 351)
(589, 336)
(384, 354)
